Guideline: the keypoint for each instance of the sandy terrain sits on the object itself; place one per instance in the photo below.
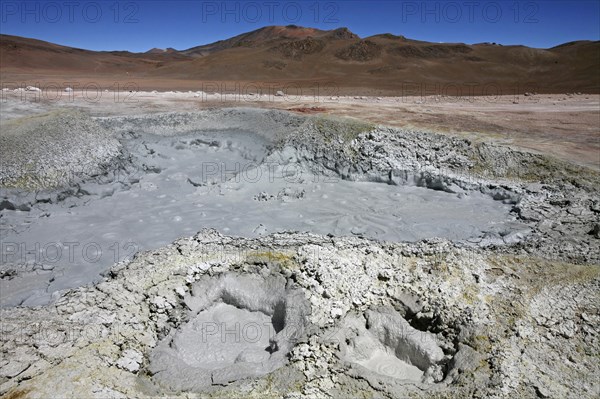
(565, 126)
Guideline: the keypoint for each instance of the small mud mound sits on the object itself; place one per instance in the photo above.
(385, 344)
(365, 50)
(54, 149)
(240, 326)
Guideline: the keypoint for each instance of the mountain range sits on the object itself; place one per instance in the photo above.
(383, 64)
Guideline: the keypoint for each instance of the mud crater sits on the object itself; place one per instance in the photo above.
(381, 344)
(238, 326)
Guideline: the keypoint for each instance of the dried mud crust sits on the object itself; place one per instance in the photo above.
(452, 322)
(53, 150)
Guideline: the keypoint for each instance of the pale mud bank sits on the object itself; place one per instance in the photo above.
(343, 317)
(360, 309)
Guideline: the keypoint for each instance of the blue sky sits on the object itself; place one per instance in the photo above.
(141, 25)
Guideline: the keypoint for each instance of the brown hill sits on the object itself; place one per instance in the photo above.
(383, 63)
(22, 56)
(268, 35)
(161, 51)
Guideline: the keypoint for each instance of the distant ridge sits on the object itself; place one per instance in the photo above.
(383, 62)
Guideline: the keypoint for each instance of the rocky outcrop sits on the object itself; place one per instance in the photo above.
(364, 50)
(299, 48)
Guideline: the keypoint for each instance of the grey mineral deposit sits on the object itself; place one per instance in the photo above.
(243, 252)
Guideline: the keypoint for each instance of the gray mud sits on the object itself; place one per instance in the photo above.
(237, 182)
(239, 327)
(420, 266)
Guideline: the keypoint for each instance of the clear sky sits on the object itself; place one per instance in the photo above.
(140, 25)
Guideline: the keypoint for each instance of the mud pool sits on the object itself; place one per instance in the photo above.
(233, 181)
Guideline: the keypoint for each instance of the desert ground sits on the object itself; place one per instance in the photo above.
(563, 125)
